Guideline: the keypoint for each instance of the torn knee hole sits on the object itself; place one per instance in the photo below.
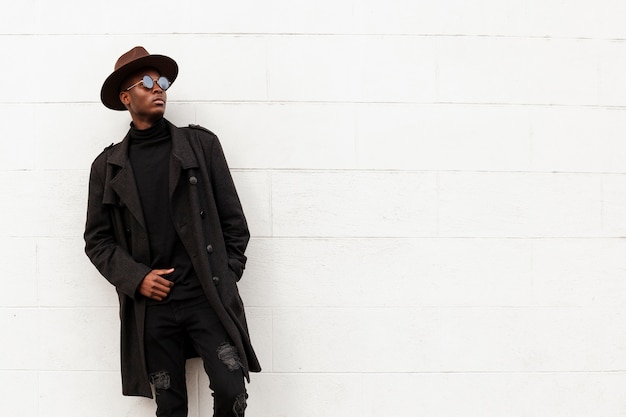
(161, 380)
(227, 353)
(240, 404)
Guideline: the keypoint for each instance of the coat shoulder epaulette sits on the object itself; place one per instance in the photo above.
(103, 156)
(198, 127)
(106, 150)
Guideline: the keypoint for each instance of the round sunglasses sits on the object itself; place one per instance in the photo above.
(148, 83)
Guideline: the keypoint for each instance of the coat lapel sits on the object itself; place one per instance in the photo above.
(183, 157)
(123, 183)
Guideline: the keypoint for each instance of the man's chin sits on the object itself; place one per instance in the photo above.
(157, 113)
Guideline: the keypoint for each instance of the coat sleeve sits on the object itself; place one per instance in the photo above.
(232, 218)
(102, 245)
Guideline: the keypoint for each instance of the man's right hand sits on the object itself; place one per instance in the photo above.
(155, 286)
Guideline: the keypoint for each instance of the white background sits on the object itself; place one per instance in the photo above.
(436, 192)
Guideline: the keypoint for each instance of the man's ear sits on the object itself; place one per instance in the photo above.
(125, 98)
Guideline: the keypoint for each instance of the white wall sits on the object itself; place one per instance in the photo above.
(436, 193)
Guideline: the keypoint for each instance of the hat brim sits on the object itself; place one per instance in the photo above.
(110, 93)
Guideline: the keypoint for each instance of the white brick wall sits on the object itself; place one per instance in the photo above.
(436, 193)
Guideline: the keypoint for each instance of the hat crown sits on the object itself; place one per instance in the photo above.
(130, 56)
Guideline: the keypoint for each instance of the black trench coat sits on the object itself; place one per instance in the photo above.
(208, 217)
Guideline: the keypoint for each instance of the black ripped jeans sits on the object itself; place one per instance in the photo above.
(167, 326)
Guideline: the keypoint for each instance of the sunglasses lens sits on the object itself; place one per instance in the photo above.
(164, 83)
(147, 82)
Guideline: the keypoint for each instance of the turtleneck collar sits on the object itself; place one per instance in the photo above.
(157, 131)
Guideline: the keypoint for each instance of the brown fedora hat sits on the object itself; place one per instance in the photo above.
(128, 63)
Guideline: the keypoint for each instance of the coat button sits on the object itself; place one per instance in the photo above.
(216, 280)
(193, 180)
(209, 248)
(203, 214)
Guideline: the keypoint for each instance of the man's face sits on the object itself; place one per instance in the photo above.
(142, 103)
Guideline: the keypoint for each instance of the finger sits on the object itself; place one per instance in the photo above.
(153, 294)
(158, 283)
(163, 282)
(155, 297)
(155, 285)
(165, 288)
(163, 271)
(158, 294)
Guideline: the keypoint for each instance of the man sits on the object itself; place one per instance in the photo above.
(165, 226)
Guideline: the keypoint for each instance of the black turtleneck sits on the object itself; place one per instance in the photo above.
(149, 154)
